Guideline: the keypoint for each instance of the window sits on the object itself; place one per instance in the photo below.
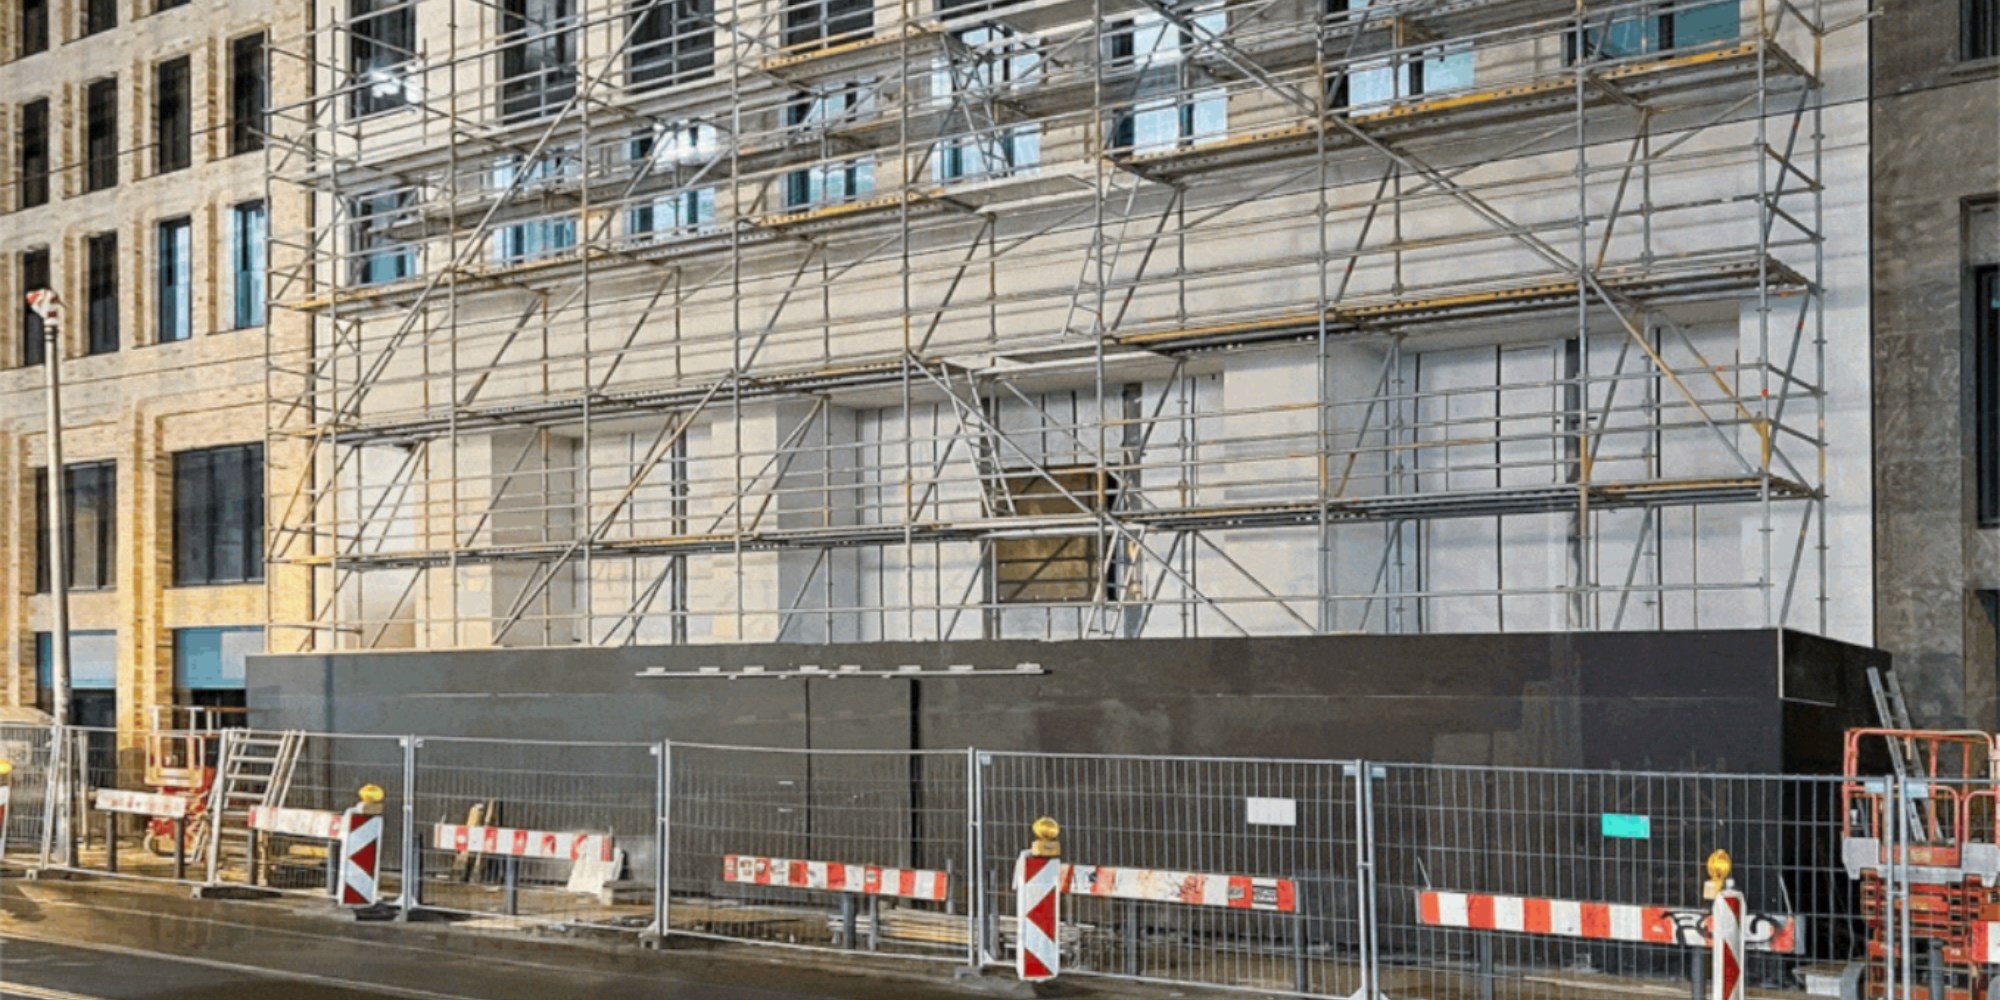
(1179, 114)
(1001, 61)
(672, 42)
(93, 667)
(34, 27)
(246, 95)
(34, 274)
(248, 230)
(682, 209)
(808, 22)
(538, 61)
(35, 153)
(101, 292)
(1054, 569)
(1661, 28)
(174, 282)
(101, 135)
(99, 15)
(1979, 35)
(1986, 358)
(168, 5)
(209, 664)
(90, 498)
(172, 118)
(377, 256)
(537, 237)
(382, 43)
(828, 183)
(219, 515)
(1435, 70)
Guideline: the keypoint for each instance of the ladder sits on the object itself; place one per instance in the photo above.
(1894, 713)
(256, 770)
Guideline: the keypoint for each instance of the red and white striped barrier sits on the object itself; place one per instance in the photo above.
(117, 800)
(533, 844)
(1726, 927)
(1038, 958)
(1235, 892)
(318, 824)
(1596, 921)
(833, 876)
(360, 854)
(1983, 944)
(6, 793)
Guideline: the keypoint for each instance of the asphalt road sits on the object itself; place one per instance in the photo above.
(63, 945)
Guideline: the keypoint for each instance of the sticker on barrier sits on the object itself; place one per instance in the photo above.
(1596, 921)
(537, 845)
(1235, 892)
(318, 824)
(833, 876)
(118, 800)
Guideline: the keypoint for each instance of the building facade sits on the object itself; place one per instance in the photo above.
(132, 184)
(1936, 234)
(677, 322)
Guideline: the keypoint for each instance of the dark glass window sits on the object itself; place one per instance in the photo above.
(247, 94)
(1980, 34)
(173, 286)
(101, 135)
(1986, 361)
(810, 21)
(168, 5)
(382, 43)
(101, 292)
(672, 42)
(99, 15)
(34, 27)
(249, 228)
(90, 496)
(34, 275)
(173, 132)
(377, 254)
(538, 62)
(219, 515)
(35, 153)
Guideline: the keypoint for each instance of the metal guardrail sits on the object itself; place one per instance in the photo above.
(1314, 878)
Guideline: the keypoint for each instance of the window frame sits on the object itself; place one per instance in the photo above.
(101, 478)
(249, 94)
(31, 26)
(34, 349)
(100, 130)
(382, 41)
(98, 16)
(173, 280)
(202, 528)
(671, 43)
(248, 260)
(101, 297)
(1984, 307)
(173, 115)
(538, 65)
(34, 183)
(1978, 31)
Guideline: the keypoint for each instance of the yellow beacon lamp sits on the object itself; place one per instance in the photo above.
(371, 799)
(1718, 874)
(1046, 832)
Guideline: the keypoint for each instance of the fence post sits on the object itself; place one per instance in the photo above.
(411, 895)
(1369, 921)
(218, 790)
(975, 869)
(663, 868)
(55, 790)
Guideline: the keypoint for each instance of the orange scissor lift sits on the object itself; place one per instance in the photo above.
(1939, 839)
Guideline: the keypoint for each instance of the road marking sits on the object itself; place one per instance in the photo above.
(41, 992)
(383, 989)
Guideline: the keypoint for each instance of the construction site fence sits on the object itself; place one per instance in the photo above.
(1333, 878)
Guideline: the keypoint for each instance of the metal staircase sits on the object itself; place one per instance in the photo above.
(255, 770)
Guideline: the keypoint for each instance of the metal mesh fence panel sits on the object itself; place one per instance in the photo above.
(831, 849)
(29, 751)
(1217, 872)
(136, 806)
(1552, 885)
(550, 832)
(304, 773)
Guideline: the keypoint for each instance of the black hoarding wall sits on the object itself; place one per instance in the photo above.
(1749, 700)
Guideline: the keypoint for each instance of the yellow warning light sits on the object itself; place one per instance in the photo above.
(1718, 874)
(1046, 832)
(6, 767)
(371, 794)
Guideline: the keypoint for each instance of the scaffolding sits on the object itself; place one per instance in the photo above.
(665, 321)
